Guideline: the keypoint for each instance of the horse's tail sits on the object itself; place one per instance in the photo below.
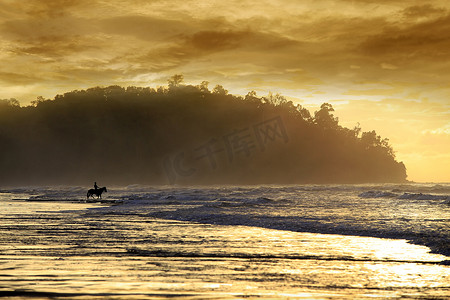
(87, 195)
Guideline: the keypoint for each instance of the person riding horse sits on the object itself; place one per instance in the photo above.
(96, 191)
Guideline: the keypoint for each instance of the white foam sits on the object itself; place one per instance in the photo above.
(377, 194)
(420, 196)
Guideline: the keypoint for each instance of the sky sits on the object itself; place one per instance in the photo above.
(384, 64)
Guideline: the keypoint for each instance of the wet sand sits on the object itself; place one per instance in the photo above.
(60, 249)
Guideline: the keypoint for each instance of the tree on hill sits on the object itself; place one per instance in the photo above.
(184, 134)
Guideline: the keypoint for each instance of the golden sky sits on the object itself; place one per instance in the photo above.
(383, 63)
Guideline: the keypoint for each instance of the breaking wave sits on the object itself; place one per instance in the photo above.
(410, 196)
(390, 210)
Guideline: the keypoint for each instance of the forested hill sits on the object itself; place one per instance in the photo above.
(184, 134)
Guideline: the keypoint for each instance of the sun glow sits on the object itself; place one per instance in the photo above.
(388, 61)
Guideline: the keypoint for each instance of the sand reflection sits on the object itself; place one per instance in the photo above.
(128, 256)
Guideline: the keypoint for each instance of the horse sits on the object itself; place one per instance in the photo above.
(97, 192)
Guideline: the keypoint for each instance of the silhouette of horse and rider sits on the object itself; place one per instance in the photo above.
(96, 191)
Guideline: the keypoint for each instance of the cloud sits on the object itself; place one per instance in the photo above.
(323, 46)
(56, 46)
(444, 130)
(30, 28)
(388, 66)
(424, 41)
(211, 41)
(14, 78)
(383, 2)
(222, 48)
(376, 92)
(50, 8)
(423, 11)
(147, 28)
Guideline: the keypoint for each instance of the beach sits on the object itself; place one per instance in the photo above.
(197, 243)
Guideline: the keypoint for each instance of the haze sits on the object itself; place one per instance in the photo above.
(382, 63)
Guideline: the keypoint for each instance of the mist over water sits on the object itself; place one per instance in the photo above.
(227, 242)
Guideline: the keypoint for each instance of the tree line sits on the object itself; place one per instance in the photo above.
(184, 134)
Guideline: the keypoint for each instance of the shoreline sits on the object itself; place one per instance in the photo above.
(85, 245)
(434, 246)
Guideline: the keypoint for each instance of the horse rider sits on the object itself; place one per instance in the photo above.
(95, 185)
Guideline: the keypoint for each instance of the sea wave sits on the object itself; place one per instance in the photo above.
(391, 211)
(377, 194)
(410, 196)
(421, 196)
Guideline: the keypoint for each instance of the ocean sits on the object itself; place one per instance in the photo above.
(227, 242)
